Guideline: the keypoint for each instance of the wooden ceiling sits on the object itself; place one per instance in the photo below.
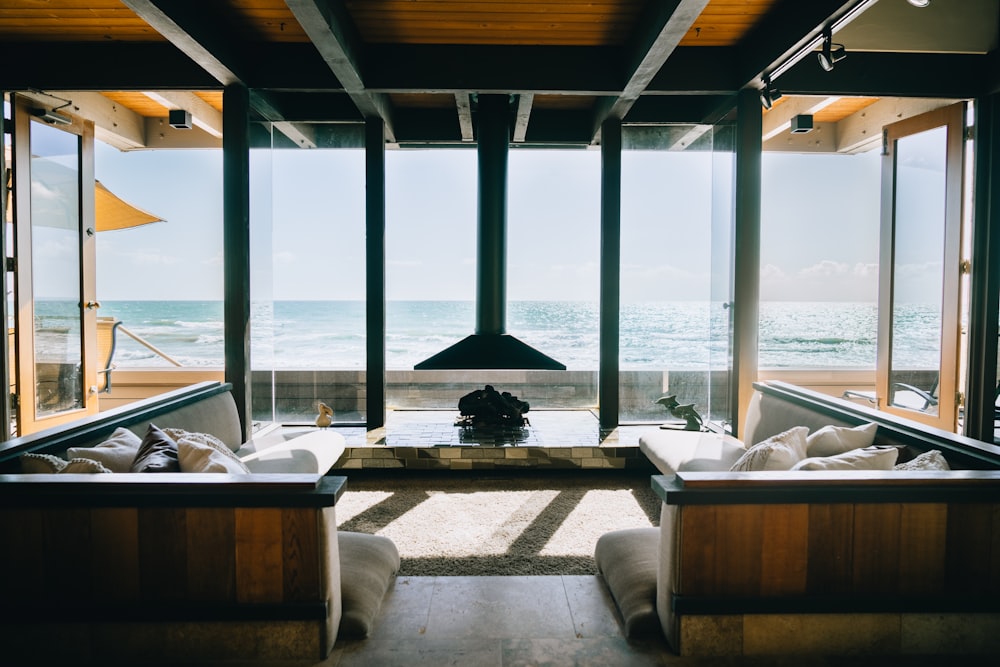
(324, 66)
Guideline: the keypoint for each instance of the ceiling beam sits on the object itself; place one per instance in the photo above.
(658, 36)
(203, 114)
(464, 108)
(271, 110)
(862, 131)
(185, 26)
(113, 124)
(330, 29)
(523, 113)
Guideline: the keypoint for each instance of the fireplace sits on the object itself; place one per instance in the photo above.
(491, 347)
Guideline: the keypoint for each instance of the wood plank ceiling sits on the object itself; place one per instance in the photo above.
(418, 64)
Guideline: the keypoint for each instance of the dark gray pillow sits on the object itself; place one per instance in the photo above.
(157, 453)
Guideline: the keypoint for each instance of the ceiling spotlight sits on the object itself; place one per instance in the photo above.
(919, 3)
(802, 123)
(769, 93)
(831, 53)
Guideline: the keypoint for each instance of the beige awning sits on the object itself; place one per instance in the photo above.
(114, 213)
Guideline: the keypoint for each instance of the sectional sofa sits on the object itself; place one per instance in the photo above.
(132, 567)
(815, 561)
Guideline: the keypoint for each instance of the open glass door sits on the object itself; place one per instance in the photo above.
(919, 267)
(55, 323)
(719, 412)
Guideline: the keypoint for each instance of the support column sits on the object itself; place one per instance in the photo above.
(375, 271)
(610, 313)
(746, 254)
(236, 246)
(984, 296)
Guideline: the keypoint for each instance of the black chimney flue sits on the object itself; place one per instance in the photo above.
(490, 347)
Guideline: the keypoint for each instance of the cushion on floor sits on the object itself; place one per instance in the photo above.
(367, 565)
(628, 561)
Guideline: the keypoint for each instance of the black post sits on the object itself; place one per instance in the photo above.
(746, 260)
(236, 246)
(491, 270)
(984, 297)
(375, 272)
(611, 214)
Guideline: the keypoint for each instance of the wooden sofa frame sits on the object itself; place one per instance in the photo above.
(834, 562)
(137, 567)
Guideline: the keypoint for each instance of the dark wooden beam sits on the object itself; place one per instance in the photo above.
(946, 75)
(503, 69)
(657, 35)
(655, 109)
(697, 70)
(100, 66)
(188, 25)
(332, 32)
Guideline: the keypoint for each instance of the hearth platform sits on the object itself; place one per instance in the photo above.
(553, 439)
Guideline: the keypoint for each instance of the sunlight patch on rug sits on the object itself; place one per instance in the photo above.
(597, 512)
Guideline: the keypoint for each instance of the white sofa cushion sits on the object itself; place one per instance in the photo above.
(929, 460)
(314, 452)
(869, 458)
(693, 451)
(779, 452)
(198, 456)
(832, 440)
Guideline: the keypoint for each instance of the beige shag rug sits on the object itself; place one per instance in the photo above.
(519, 525)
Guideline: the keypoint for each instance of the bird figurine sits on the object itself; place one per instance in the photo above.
(693, 421)
(325, 417)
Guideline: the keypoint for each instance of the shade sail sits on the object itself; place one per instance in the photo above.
(114, 213)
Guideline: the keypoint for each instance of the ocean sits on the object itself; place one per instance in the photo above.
(654, 335)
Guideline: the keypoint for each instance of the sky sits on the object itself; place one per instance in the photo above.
(819, 238)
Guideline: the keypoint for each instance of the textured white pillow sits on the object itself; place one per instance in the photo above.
(32, 463)
(869, 458)
(84, 466)
(833, 440)
(195, 456)
(929, 460)
(779, 452)
(203, 438)
(116, 453)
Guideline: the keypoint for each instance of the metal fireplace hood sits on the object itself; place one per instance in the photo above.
(491, 347)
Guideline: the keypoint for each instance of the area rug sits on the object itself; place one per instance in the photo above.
(503, 526)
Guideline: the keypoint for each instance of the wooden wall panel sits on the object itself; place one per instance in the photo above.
(259, 544)
(785, 550)
(301, 561)
(115, 552)
(922, 548)
(162, 553)
(831, 548)
(970, 539)
(211, 554)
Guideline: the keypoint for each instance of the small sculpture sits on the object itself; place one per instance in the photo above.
(686, 412)
(325, 417)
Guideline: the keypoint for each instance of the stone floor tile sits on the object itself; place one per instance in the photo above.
(591, 606)
(424, 652)
(586, 652)
(405, 609)
(499, 607)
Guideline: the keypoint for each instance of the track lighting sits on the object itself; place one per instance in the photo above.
(769, 93)
(831, 53)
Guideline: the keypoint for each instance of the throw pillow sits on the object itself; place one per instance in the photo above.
(779, 452)
(833, 440)
(929, 460)
(157, 453)
(197, 456)
(116, 453)
(869, 458)
(41, 463)
(203, 438)
(83, 466)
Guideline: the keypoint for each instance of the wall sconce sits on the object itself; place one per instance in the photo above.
(831, 53)
(179, 119)
(769, 93)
